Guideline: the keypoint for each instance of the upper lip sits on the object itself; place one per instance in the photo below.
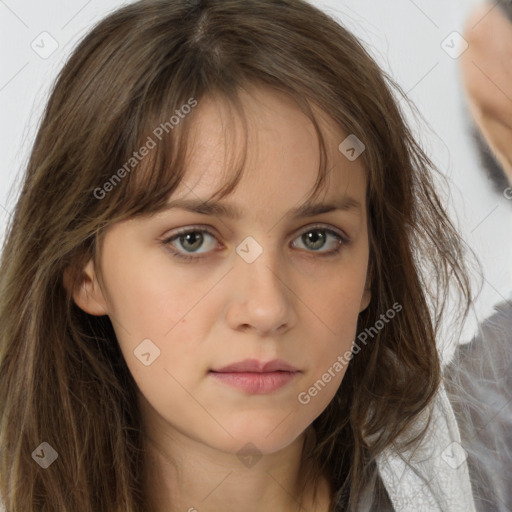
(254, 365)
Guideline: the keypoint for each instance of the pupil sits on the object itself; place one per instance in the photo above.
(315, 235)
(199, 238)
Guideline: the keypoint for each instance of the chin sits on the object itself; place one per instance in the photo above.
(267, 436)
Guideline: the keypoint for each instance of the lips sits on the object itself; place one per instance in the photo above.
(256, 366)
(256, 377)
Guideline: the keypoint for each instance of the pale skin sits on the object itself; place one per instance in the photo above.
(486, 68)
(290, 303)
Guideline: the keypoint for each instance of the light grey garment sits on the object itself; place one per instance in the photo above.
(479, 382)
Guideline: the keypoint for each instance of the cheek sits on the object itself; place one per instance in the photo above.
(150, 297)
(338, 301)
(158, 320)
(333, 327)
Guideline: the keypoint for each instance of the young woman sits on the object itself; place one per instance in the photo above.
(224, 276)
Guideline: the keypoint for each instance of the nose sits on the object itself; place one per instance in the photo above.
(261, 299)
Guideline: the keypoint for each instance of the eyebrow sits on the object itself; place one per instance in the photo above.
(232, 212)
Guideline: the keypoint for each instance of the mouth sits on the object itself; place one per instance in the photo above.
(256, 377)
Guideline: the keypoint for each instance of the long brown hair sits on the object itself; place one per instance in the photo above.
(63, 379)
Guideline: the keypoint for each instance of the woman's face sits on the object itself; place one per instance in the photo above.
(264, 285)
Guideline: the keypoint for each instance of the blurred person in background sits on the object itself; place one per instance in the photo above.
(483, 367)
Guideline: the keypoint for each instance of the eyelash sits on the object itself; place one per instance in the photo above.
(196, 229)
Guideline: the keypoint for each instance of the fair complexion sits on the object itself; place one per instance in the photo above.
(293, 302)
(486, 68)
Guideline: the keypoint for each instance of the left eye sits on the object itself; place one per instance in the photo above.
(191, 239)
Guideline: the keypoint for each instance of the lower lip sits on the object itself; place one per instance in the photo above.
(256, 383)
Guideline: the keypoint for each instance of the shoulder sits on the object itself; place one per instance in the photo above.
(499, 325)
(485, 361)
(479, 381)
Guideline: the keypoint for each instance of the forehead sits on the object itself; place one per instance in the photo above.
(276, 141)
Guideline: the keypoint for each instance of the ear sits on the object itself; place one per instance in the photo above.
(86, 293)
(367, 294)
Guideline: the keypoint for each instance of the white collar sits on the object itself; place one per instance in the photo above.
(435, 476)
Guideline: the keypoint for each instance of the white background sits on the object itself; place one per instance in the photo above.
(404, 36)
